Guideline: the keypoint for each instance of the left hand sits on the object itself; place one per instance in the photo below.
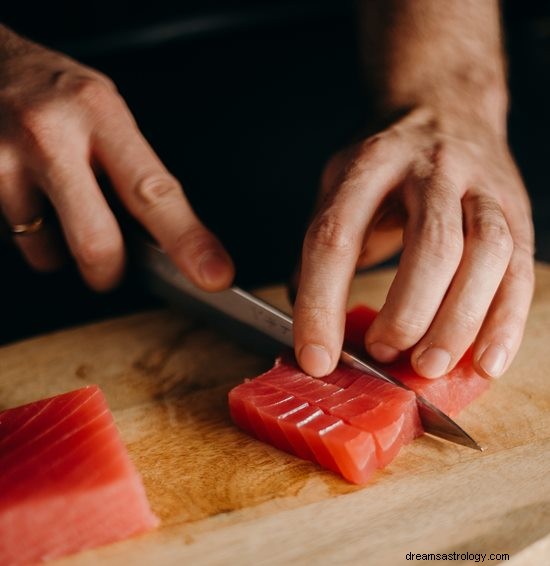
(446, 188)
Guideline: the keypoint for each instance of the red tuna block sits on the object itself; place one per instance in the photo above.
(66, 481)
(388, 412)
(321, 419)
(307, 431)
(450, 393)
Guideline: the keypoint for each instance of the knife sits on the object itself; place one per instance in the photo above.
(240, 306)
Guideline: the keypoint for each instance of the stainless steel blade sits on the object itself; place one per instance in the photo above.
(434, 421)
(252, 311)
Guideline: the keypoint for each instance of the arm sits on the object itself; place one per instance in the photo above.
(439, 180)
(444, 54)
(59, 121)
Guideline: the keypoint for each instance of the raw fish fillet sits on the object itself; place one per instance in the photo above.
(295, 426)
(348, 422)
(381, 409)
(450, 393)
(66, 481)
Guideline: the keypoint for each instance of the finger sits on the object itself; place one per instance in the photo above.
(487, 251)
(500, 336)
(89, 226)
(330, 251)
(21, 203)
(433, 242)
(380, 246)
(385, 234)
(332, 175)
(383, 238)
(156, 199)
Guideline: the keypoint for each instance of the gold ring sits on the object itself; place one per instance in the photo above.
(29, 228)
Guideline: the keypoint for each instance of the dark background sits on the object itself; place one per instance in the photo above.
(244, 102)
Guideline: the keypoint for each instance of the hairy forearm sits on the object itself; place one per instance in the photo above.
(440, 53)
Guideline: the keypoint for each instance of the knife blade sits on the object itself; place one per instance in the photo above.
(241, 306)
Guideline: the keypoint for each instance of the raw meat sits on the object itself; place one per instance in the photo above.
(348, 421)
(66, 481)
(451, 393)
(297, 427)
(387, 412)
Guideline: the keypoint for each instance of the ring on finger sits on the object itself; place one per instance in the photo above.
(27, 228)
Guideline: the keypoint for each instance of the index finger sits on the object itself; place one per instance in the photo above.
(330, 252)
(156, 199)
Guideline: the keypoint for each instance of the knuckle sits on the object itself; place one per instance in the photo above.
(373, 142)
(97, 251)
(34, 120)
(92, 91)
(522, 269)
(469, 321)
(194, 242)
(438, 240)
(37, 124)
(495, 237)
(524, 242)
(403, 332)
(489, 227)
(328, 233)
(434, 189)
(102, 78)
(156, 189)
(376, 147)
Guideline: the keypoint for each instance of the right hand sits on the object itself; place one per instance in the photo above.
(442, 184)
(59, 121)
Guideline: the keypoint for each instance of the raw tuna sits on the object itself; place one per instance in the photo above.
(347, 422)
(297, 427)
(66, 481)
(451, 393)
(381, 409)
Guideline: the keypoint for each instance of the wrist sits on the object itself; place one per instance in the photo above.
(471, 95)
(443, 55)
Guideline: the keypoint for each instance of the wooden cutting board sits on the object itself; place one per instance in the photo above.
(225, 498)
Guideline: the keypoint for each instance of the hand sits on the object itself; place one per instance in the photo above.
(60, 122)
(447, 185)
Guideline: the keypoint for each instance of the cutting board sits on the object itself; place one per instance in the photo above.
(225, 498)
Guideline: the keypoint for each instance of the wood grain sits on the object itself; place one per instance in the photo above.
(226, 498)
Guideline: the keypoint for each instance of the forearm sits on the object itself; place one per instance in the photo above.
(444, 54)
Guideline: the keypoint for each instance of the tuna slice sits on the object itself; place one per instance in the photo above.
(66, 481)
(297, 427)
(451, 393)
(347, 422)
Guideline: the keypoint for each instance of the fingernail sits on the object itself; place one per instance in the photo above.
(383, 352)
(494, 359)
(316, 359)
(213, 268)
(433, 362)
